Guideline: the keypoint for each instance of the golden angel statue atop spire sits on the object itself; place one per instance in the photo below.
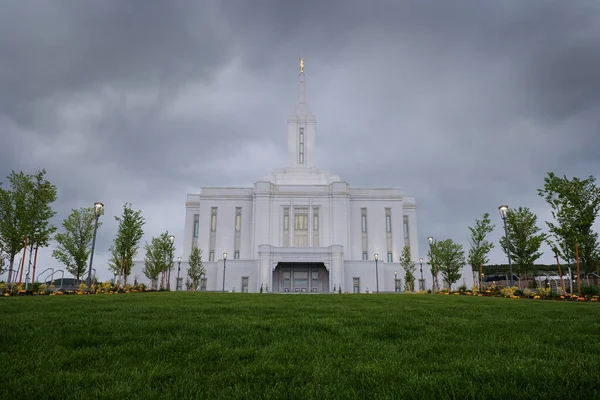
(301, 65)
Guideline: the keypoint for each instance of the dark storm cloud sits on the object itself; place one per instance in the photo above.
(464, 104)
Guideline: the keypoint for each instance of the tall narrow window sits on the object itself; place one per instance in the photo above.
(301, 146)
(363, 228)
(363, 222)
(406, 231)
(195, 230)
(390, 257)
(388, 233)
(213, 219)
(238, 219)
(213, 231)
(286, 227)
(301, 227)
(237, 233)
(211, 256)
(388, 221)
(315, 227)
(365, 256)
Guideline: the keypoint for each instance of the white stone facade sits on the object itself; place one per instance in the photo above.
(300, 229)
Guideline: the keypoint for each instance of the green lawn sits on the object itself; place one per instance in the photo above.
(203, 345)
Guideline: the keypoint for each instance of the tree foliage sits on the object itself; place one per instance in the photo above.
(449, 258)
(575, 205)
(525, 239)
(41, 195)
(159, 256)
(25, 211)
(409, 269)
(196, 268)
(126, 243)
(480, 246)
(75, 242)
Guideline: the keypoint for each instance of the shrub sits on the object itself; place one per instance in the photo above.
(589, 290)
(82, 286)
(462, 288)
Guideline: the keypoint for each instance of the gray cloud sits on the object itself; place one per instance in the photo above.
(464, 105)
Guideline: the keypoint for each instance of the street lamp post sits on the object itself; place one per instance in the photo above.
(396, 281)
(433, 278)
(377, 271)
(503, 213)
(171, 240)
(178, 269)
(421, 281)
(98, 210)
(224, 267)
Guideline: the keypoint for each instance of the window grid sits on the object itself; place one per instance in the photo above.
(301, 145)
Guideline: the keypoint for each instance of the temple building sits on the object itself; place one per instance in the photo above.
(300, 229)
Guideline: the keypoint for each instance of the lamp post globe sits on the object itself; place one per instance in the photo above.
(503, 209)
(98, 210)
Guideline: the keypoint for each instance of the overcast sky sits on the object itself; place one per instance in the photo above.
(464, 104)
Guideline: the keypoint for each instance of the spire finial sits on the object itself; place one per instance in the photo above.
(301, 65)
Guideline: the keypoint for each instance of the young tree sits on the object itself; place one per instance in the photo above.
(159, 256)
(39, 212)
(480, 246)
(196, 268)
(450, 258)
(409, 269)
(75, 243)
(13, 217)
(433, 256)
(524, 239)
(154, 262)
(126, 244)
(575, 206)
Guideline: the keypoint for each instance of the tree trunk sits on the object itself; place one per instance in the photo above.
(480, 277)
(125, 274)
(577, 263)
(23, 260)
(34, 264)
(120, 272)
(10, 268)
(562, 281)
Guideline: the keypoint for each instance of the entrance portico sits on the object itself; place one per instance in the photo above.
(322, 263)
(300, 278)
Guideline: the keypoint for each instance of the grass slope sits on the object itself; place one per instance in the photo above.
(202, 345)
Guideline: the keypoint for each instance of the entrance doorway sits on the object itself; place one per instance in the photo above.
(300, 278)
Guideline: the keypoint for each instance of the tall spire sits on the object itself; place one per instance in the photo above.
(301, 105)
